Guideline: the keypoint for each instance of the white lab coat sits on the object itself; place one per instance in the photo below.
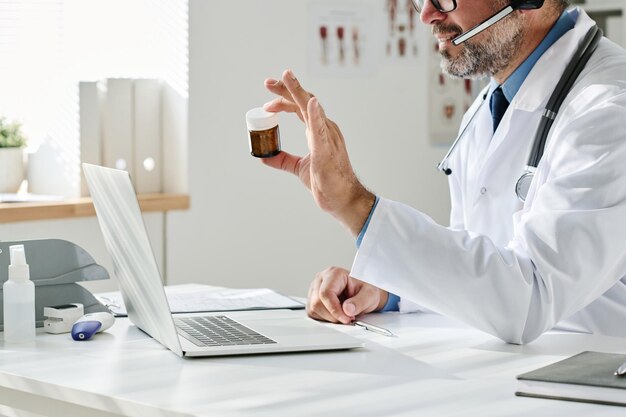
(515, 270)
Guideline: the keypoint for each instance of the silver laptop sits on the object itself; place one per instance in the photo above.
(198, 334)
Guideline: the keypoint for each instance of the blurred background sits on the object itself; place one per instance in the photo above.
(72, 73)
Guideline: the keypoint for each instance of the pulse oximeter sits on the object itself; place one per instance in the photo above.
(90, 324)
(59, 319)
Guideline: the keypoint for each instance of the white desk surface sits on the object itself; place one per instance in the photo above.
(434, 367)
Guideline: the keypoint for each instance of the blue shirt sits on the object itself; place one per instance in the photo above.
(510, 87)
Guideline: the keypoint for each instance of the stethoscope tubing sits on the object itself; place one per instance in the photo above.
(441, 166)
(571, 73)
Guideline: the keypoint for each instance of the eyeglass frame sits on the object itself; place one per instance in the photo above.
(436, 4)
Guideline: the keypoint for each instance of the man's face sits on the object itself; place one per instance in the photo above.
(487, 53)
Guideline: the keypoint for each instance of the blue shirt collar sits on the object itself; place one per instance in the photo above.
(511, 86)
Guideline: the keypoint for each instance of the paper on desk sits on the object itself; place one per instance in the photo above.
(193, 298)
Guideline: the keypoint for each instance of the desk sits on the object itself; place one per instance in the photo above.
(435, 367)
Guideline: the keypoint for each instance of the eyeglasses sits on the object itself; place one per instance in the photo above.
(444, 6)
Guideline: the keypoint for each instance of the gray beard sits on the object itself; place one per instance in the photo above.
(486, 58)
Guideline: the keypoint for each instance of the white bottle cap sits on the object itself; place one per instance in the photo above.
(18, 269)
(259, 119)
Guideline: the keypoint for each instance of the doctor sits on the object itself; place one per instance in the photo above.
(510, 268)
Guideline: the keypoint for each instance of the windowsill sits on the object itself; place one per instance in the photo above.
(83, 207)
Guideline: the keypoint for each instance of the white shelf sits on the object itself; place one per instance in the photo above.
(81, 207)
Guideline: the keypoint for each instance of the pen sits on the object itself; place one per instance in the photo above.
(373, 328)
(109, 302)
(621, 371)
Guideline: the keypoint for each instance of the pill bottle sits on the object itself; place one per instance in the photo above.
(263, 133)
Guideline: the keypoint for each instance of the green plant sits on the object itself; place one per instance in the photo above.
(11, 134)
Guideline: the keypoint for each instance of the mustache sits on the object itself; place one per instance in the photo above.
(445, 28)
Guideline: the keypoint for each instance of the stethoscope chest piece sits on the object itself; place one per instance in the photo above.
(523, 184)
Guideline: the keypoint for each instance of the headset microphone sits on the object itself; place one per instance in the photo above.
(515, 5)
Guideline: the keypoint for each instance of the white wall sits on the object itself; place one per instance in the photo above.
(84, 232)
(248, 225)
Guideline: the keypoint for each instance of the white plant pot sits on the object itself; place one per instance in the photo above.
(11, 169)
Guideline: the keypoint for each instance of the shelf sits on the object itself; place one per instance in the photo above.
(83, 207)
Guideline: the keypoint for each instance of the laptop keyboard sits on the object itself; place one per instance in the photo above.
(216, 331)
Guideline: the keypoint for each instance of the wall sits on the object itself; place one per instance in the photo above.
(84, 232)
(250, 226)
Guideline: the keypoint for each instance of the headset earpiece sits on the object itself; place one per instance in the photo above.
(495, 18)
(526, 4)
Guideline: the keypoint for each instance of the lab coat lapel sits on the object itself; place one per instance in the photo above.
(543, 78)
(531, 99)
(508, 153)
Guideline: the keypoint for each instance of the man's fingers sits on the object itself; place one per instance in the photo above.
(300, 96)
(311, 299)
(277, 87)
(283, 161)
(329, 295)
(363, 302)
(314, 306)
(317, 121)
(282, 104)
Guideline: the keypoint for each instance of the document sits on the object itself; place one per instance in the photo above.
(91, 96)
(147, 135)
(587, 377)
(117, 125)
(195, 298)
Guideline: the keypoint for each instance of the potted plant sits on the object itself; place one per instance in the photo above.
(12, 143)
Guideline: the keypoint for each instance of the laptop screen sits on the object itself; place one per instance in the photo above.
(127, 242)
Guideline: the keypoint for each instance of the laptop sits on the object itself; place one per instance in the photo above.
(194, 334)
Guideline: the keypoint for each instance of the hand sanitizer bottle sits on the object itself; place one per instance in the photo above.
(19, 300)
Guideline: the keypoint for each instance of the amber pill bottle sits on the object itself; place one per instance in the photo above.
(263, 133)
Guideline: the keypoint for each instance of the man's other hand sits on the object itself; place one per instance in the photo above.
(336, 297)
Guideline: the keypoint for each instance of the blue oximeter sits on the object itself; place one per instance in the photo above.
(90, 324)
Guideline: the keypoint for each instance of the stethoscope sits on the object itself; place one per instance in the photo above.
(563, 87)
